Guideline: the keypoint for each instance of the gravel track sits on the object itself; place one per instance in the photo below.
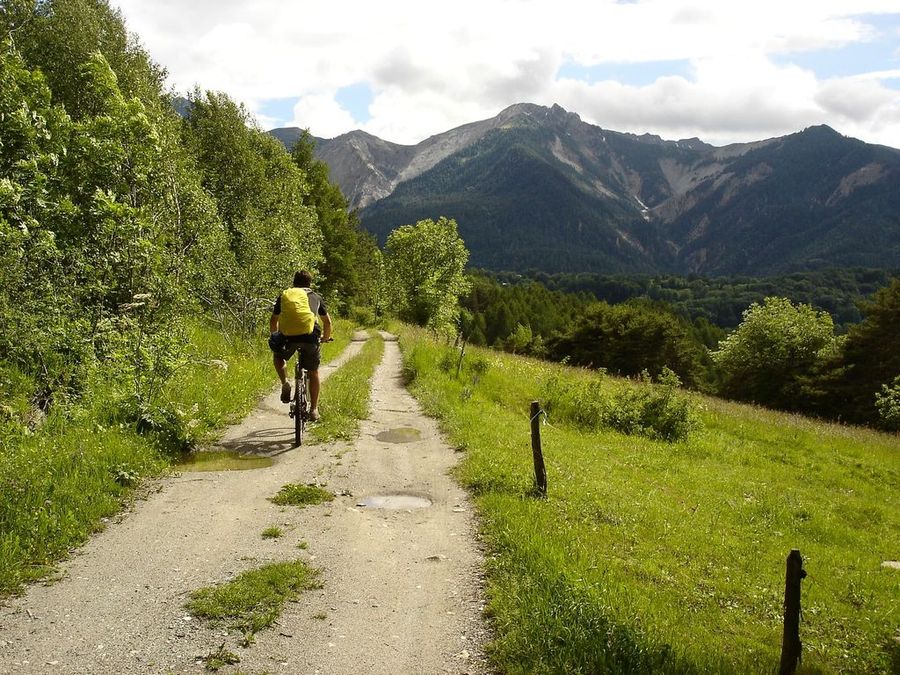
(401, 589)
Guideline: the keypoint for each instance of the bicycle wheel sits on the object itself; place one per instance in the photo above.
(299, 403)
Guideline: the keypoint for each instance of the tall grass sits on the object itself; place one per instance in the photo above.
(59, 482)
(652, 556)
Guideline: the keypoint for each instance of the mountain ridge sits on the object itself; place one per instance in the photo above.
(538, 187)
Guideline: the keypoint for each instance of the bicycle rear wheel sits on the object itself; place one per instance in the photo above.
(299, 404)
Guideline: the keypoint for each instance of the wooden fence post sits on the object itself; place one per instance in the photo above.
(540, 473)
(790, 640)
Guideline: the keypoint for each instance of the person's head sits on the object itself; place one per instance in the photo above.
(302, 279)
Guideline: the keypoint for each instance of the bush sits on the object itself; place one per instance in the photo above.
(888, 404)
(363, 316)
(656, 410)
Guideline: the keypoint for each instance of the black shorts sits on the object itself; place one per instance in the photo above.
(308, 346)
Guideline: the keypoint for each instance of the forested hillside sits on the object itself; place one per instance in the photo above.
(538, 188)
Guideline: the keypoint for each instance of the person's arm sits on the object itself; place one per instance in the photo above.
(276, 312)
(326, 327)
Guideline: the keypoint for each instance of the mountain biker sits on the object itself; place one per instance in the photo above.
(292, 328)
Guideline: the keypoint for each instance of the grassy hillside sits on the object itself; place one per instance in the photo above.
(651, 556)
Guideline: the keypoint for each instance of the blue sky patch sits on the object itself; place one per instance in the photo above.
(880, 53)
(356, 100)
(280, 109)
(635, 74)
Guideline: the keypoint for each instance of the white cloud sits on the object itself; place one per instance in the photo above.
(433, 67)
(322, 115)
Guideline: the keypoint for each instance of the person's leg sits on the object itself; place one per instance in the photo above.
(313, 390)
(282, 375)
(311, 358)
(279, 367)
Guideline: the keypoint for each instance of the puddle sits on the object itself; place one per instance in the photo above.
(400, 435)
(395, 502)
(222, 460)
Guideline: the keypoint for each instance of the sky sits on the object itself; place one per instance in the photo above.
(724, 71)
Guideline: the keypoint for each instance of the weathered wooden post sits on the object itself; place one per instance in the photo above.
(462, 353)
(540, 473)
(790, 640)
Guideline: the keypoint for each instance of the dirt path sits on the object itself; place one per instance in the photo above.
(401, 590)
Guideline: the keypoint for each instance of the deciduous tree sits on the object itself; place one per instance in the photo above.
(424, 267)
(769, 357)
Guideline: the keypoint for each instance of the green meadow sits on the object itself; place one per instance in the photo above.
(657, 556)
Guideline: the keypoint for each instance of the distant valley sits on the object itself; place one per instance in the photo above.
(537, 188)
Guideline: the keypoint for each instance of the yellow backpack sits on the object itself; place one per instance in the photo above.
(296, 317)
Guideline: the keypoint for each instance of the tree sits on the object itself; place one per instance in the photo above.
(59, 35)
(629, 338)
(260, 194)
(770, 357)
(869, 359)
(348, 270)
(424, 267)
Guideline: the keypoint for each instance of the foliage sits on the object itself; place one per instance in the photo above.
(656, 410)
(887, 401)
(722, 300)
(649, 556)
(58, 35)
(867, 360)
(629, 338)
(778, 344)
(260, 194)
(495, 312)
(350, 268)
(424, 269)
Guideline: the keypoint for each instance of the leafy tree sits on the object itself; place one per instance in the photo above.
(629, 338)
(348, 269)
(34, 135)
(59, 35)
(887, 401)
(870, 358)
(424, 266)
(260, 194)
(773, 352)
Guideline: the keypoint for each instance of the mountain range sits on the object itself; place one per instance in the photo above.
(538, 188)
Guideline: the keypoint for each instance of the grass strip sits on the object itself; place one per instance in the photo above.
(344, 400)
(650, 556)
(253, 600)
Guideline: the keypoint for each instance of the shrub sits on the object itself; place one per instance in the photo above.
(888, 404)
(657, 410)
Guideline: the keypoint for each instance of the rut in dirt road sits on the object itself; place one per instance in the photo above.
(401, 590)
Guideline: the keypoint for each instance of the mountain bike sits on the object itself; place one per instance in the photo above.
(299, 410)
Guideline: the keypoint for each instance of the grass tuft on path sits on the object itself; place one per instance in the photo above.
(655, 556)
(253, 600)
(301, 495)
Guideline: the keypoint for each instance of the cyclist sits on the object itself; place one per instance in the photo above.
(294, 326)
